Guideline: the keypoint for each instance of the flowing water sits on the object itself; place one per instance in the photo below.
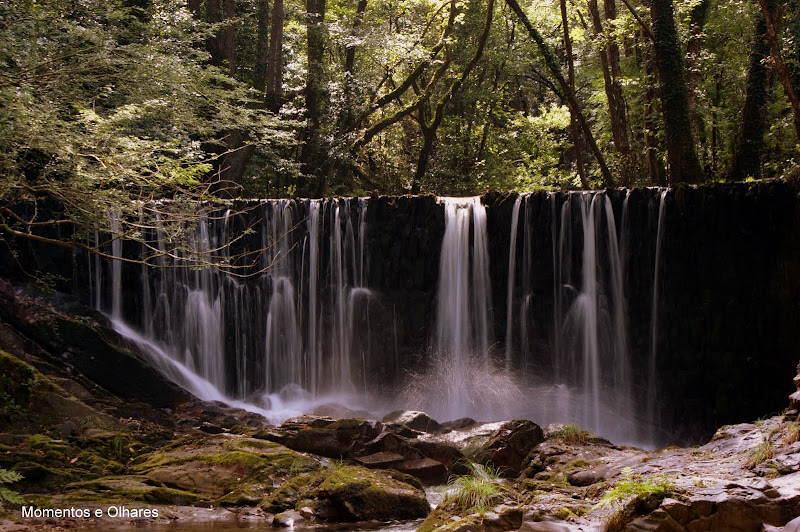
(305, 330)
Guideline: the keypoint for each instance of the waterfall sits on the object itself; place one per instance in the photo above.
(512, 260)
(461, 379)
(652, 392)
(590, 336)
(308, 326)
(464, 295)
(296, 331)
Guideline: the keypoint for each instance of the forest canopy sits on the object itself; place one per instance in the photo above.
(106, 104)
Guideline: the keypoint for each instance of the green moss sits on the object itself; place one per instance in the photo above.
(367, 494)
(293, 490)
(442, 520)
(242, 458)
(128, 488)
(250, 444)
(240, 497)
(563, 513)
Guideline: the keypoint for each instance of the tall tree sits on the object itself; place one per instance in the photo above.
(608, 51)
(750, 142)
(684, 165)
(573, 120)
(262, 45)
(429, 128)
(772, 15)
(567, 93)
(222, 45)
(275, 61)
(314, 156)
(697, 19)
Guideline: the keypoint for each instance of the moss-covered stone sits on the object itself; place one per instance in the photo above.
(355, 492)
(127, 489)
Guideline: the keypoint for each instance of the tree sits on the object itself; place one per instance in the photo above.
(111, 112)
(566, 92)
(684, 165)
(772, 14)
(749, 147)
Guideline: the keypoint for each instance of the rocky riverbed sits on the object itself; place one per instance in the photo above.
(89, 426)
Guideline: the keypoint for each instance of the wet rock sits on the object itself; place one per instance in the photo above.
(509, 446)
(389, 442)
(381, 460)
(337, 411)
(326, 437)
(502, 519)
(289, 519)
(209, 428)
(419, 421)
(445, 453)
(544, 526)
(85, 340)
(586, 477)
(460, 423)
(427, 470)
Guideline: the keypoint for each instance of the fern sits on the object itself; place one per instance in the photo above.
(9, 477)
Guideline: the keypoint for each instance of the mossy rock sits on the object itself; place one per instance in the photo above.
(126, 489)
(293, 490)
(221, 464)
(356, 493)
(443, 521)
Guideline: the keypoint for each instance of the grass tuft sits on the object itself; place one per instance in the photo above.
(571, 434)
(760, 454)
(476, 491)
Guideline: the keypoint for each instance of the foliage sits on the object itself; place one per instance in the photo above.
(571, 434)
(792, 433)
(476, 491)
(760, 453)
(107, 106)
(7, 495)
(633, 485)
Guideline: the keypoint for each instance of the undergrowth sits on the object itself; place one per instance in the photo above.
(570, 434)
(476, 491)
(7, 495)
(634, 485)
(760, 453)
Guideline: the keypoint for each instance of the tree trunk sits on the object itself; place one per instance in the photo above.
(747, 157)
(222, 46)
(262, 45)
(569, 94)
(681, 154)
(275, 61)
(697, 19)
(655, 170)
(228, 42)
(619, 118)
(314, 156)
(772, 17)
(573, 121)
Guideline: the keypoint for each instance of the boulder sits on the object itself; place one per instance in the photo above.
(508, 447)
(419, 421)
(326, 437)
(354, 493)
(381, 460)
(427, 470)
(337, 411)
(389, 442)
